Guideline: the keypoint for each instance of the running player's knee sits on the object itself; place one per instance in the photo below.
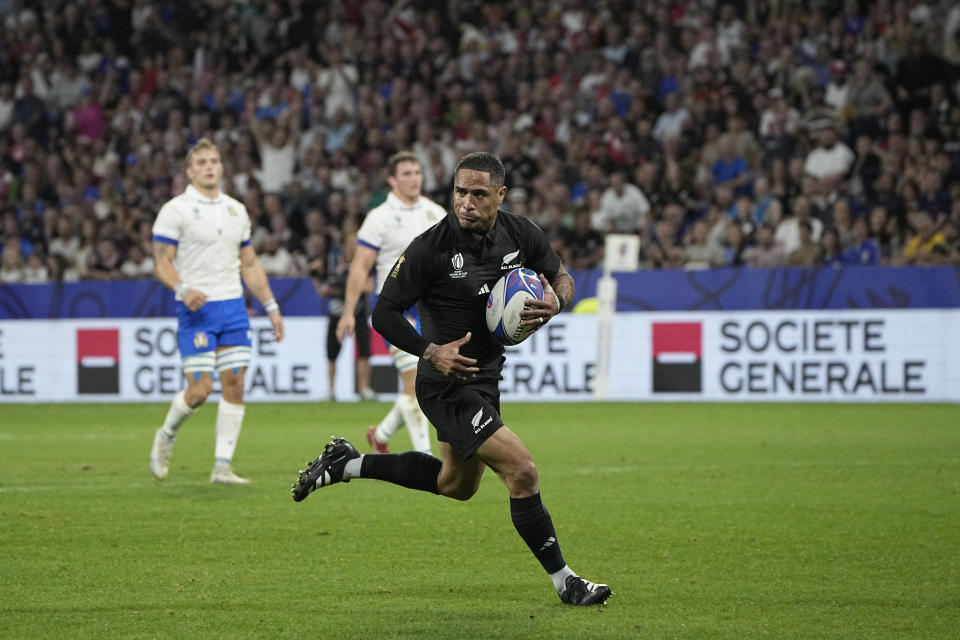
(524, 478)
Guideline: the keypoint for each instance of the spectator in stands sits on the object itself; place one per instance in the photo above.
(830, 254)
(766, 252)
(105, 261)
(697, 253)
(867, 100)
(277, 145)
(808, 252)
(623, 206)
(663, 250)
(863, 250)
(59, 270)
(731, 254)
(927, 245)
(840, 219)
(137, 264)
(12, 267)
(788, 231)
(830, 162)
(584, 245)
(731, 169)
(96, 114)
(674, 117)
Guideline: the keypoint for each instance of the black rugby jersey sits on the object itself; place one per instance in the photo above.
(449, 272)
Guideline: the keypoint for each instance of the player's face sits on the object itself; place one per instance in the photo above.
(408, 181)
(205, 169)
(475, 200)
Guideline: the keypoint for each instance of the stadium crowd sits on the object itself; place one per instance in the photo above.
(726, 133)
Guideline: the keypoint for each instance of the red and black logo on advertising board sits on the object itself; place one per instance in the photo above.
(98, 361)
(677, 357)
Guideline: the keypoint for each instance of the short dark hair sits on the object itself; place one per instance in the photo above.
(485, 163)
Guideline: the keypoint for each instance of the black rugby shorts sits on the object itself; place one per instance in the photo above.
(464, 414)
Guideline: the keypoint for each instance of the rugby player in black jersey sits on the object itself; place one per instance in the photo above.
(448, 272)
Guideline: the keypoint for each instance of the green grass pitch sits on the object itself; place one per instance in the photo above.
(707, 520)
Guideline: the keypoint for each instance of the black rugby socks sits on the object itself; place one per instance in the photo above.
(533, 523)
(411, 469)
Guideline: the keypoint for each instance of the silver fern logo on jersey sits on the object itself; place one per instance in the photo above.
(510, 261)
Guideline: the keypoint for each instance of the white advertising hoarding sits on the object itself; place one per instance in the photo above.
(130, 360)
(850, 355)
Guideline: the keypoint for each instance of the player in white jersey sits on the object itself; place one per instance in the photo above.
(201, 248)
(385, 233)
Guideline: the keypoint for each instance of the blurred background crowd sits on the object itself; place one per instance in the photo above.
(725, 133)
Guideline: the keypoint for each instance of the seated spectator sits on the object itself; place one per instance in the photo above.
(623, 206)
(766, 252)
(829, 163)
(839, 219)
(104, 263)
(867, 99)
(584, 244)
(927, 246)
(882, 231)
(697, 253)
(808, 252)
(863, 250)
(671, 122)
(59, 270)
(12, 267)
(767, 207)
(731, 169)
(662, 251)
(788, 231)
(275, 259)
(830, 254)
(731, 254)
(137, 264)
(65, 241)
(35, 270)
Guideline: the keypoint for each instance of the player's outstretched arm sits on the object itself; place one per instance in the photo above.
(256, 280)
(163, 269)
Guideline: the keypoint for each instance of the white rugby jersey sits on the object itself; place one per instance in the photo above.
(208, 235)
(390, 227)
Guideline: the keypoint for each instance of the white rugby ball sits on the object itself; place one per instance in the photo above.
(506, 301)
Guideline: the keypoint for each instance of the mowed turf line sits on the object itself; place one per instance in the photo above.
(708, 521)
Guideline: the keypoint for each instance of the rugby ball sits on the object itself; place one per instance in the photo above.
(505, 303)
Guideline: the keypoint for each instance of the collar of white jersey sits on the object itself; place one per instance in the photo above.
(194, 194)
(397, 203)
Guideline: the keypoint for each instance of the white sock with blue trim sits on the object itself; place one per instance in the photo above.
(179, 411)
(390, 423)
(229, 421)
(417, 425)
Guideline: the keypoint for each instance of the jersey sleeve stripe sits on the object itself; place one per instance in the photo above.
(364, 243)
(245, 243)
(164, 239)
